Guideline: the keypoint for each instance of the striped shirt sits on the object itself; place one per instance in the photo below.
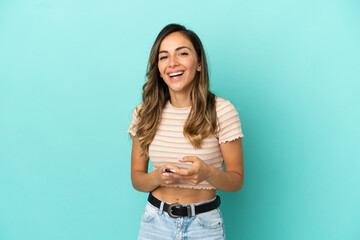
(169, 143)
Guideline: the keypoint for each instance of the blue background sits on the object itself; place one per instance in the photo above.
(71, 73)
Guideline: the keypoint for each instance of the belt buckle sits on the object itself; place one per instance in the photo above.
(174, 205)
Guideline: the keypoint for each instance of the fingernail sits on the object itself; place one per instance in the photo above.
(165, 174)
(173, 170)
(179, 159)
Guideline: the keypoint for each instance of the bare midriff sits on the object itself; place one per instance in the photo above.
(183, 195)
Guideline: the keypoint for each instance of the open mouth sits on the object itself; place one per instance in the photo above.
(175, 75)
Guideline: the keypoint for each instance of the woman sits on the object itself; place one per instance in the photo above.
(188, 133)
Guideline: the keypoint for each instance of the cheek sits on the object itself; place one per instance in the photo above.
(192, 64)
(192, 67)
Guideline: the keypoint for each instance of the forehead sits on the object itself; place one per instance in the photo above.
(175, 40)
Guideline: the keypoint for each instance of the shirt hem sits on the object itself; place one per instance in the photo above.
(231, 139)
(190, 187)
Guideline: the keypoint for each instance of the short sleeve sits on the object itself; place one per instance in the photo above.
(134, 121)
(229, 122)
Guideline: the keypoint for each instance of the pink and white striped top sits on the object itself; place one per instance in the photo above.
(169, 143)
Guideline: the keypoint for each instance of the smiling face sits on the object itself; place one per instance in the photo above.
(178, 63)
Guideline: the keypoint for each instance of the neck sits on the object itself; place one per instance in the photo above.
(180, 100)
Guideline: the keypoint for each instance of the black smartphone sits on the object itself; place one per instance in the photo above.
(167, 170)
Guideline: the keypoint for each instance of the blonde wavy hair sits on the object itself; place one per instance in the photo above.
(201, 122)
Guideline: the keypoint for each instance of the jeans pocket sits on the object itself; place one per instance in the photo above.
(211, 219)
(148, 215)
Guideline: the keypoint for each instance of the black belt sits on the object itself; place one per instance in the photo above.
(178, 210)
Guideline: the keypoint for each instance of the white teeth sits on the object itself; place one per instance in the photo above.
(174, 74)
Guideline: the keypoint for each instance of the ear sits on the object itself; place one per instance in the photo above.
(198, 67)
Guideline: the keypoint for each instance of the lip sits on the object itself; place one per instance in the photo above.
(174, 79)
(177, 78)
(174, 71)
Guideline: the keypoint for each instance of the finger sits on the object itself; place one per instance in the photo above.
(172, 176)
(191, 159)
(186, 159)
(168, 168)
(181, 172)
(186, 172)
(181, 179)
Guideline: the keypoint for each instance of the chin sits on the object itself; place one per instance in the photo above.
(175, 86)
(176, 90)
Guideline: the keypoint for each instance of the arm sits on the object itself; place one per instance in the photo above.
(140, 178)
(231, 180)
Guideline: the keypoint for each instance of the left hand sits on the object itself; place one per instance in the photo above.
(199, 171)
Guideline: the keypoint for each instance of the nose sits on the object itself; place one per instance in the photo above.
(173, 61)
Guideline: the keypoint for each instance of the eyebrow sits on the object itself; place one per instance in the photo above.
(177, 49)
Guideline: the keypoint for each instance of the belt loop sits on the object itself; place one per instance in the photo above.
(192, 209)
(162, 206)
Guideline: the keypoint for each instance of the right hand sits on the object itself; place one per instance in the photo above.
(165, 178)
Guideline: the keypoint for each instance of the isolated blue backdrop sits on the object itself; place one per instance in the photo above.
(71, 72)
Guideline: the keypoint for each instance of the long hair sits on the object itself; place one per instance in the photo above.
(201, 121)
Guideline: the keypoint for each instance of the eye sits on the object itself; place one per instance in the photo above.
(162, 58)
(184, 54)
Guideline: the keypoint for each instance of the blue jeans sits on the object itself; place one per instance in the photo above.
(158, 225)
